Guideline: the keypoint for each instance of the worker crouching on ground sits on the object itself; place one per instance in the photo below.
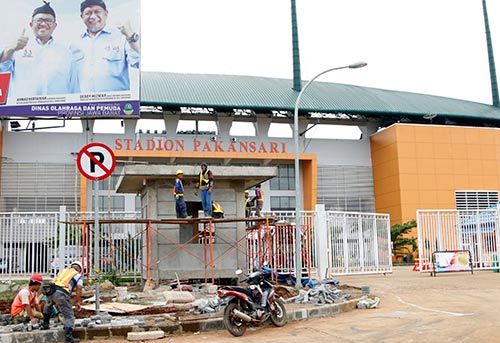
(66, 281)
(25, 305)
(217, 211)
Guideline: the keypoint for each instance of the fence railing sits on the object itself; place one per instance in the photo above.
(358, 243)
(474, 230)
(332, 243)
(45, 242)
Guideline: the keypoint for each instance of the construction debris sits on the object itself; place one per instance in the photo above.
(366, 303)
(142, 336)
(322, 294)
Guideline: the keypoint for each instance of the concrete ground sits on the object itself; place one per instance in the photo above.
(452, 307)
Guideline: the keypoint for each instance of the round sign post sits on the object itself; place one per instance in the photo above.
(96, 161)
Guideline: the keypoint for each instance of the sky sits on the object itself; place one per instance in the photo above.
(435, 47)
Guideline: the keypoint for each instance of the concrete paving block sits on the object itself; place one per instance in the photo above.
(141, 336)
(178, 297)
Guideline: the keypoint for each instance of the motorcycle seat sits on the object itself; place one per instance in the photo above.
(239, 289)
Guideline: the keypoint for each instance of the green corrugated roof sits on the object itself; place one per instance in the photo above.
(263, 93)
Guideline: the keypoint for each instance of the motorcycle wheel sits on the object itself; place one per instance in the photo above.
(278, 312)
(234, 325)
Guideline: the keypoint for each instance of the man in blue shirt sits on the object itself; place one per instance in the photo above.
(39, 66)
(104, 54)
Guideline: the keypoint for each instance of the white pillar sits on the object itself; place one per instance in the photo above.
(321, 240)
(62, 237)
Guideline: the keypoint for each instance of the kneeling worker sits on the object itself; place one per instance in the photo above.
(67, 280)
(25, 304)
(217, 211)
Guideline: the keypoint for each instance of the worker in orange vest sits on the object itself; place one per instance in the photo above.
(67, 280)
(25, 304)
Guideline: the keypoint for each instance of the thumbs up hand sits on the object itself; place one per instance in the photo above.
(125, 28)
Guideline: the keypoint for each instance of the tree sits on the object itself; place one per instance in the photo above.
(403, 246)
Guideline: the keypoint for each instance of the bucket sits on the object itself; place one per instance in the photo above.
(121, 293)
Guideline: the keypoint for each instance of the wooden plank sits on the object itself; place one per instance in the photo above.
(117, 307)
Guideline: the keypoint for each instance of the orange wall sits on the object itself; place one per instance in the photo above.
(418, 167)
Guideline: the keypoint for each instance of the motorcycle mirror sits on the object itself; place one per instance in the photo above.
(238, 272)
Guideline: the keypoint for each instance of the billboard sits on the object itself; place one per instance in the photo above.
(71, 58)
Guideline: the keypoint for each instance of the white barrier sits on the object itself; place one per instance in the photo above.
(43, 242)
(446, 230)
(358, 243)
(333, 243)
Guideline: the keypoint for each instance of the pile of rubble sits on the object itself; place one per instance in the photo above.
(320, 295)
(171, 302)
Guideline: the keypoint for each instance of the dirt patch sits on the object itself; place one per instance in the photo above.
(5, 307)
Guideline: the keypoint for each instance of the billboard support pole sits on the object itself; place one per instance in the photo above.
(96, 243)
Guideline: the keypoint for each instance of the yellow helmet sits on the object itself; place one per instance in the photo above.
(247, 192)
(179, 171)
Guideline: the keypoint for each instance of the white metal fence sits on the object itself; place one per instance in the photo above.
(333, 243)
(447, 230)
(27, 242)
(358, 243)
(30, 242)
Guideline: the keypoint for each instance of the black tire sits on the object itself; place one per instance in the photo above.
(278, 312)
(234, 325)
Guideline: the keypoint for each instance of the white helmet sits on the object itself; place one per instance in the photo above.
(77, 263)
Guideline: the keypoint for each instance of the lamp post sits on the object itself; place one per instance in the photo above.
(298, 195)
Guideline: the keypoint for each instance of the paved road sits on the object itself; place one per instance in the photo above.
(453, 307)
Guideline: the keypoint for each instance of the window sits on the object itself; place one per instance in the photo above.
(475, 200)
(109, 126)
(328, 131)
(280, 130)
(282, 203)
(242, 128)
(285, 181)
(197, 127)
(155, 126)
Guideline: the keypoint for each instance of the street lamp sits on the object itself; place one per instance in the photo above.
(298, 202)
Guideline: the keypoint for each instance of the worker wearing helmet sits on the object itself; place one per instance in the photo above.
(205, 184)
(217, 210)
(248, 204)
(67, 280)
(25, 305)
(180, 204)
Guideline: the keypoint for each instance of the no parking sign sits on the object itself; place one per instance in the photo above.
(96, 161)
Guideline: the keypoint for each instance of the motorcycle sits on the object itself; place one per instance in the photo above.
(252, 305)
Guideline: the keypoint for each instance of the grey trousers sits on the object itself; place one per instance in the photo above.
(63, 302)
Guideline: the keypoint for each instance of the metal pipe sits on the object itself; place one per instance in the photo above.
(298, 195)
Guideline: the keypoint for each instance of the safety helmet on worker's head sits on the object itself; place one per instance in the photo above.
(77, 263)
(247, 192)
(36, 278)
(204, 164)
(179, 171)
